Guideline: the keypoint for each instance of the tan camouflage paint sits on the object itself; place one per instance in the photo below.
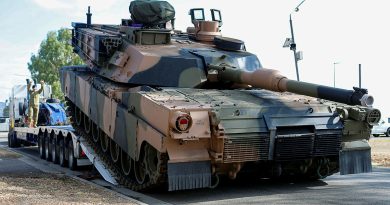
(132, 59)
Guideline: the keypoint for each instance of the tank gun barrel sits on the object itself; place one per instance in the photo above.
(272, 80)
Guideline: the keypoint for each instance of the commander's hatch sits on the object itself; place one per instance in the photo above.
(204, 30)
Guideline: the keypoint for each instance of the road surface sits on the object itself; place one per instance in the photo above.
(371, 188)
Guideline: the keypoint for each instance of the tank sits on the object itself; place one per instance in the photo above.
(183, 109)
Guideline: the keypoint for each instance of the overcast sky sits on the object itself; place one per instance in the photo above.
(349, 32)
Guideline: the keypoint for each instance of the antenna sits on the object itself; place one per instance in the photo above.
(297, 8)
(89, 16)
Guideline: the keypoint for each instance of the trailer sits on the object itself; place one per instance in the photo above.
(57, 141)
(60, 145)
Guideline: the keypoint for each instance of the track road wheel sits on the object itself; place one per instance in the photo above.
(72, 161)
(104, 141)
(126, 163)
(54, 150)
(41, 146)
(140, 172)
(115, 151)
(152, 159)
(87, 124)
(70, 110)
(62, 159)
(79, 116)
(95, 133)
(47, 148)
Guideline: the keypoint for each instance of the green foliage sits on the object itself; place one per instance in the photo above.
(54, 53)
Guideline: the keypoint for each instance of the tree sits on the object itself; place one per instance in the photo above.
(54, 53)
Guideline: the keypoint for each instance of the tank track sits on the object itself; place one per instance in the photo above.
(158, 179)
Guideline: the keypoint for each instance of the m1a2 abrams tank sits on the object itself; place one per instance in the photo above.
(181, 109)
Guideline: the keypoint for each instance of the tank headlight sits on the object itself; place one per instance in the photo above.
(181, 121)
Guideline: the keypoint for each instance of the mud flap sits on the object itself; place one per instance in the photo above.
(189, 175)
(355, 157)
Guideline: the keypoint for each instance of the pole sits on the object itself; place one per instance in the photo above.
(360, 75)
(334, 74)
(293, 47)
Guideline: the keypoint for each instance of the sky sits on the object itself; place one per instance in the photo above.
(348, 32)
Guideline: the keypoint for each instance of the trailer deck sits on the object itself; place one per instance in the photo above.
(61, 139)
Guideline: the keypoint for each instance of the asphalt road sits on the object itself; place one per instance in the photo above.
(30, 162)
(371, 188)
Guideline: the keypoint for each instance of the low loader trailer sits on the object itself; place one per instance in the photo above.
(60, 145)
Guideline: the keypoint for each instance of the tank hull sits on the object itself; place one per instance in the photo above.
(233, 130)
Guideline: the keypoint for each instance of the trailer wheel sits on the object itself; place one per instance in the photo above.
(41, 146)
(12, 140)
(72, 161)
(47, 148)
(58, 150)
(62, 159)
(9, 138)
(54, 151)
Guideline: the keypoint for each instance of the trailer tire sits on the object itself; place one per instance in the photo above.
(62, 159)
(13, 142)
(54, 151)
(9, 138)
(10, 142)
(72, 161)
(41, 146)
(47, 148)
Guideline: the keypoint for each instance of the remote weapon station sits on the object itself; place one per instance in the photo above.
(181, 110)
